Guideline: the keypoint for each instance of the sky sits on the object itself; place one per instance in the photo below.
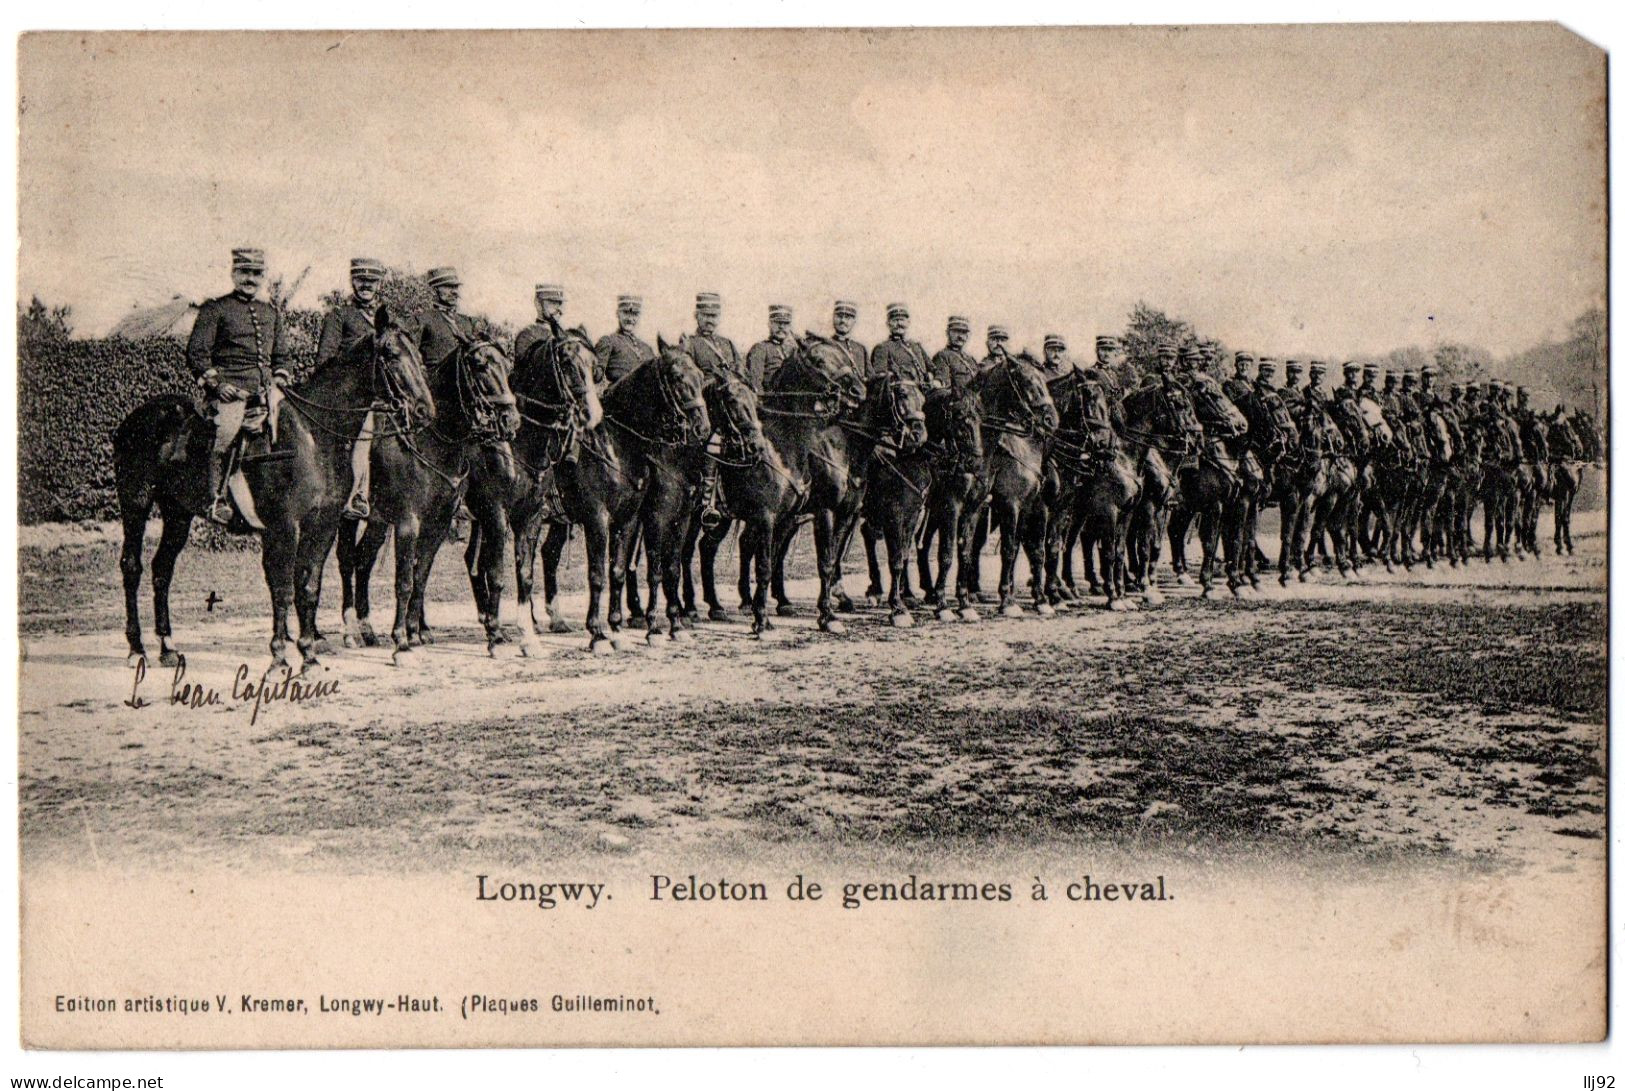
(1332, 191)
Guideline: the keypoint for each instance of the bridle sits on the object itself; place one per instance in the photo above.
(828, 402)
(481, 408)
(390, 396)
(1027, 417)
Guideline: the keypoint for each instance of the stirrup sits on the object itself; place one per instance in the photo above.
(222, 511)
(711, 517)
(357, 508)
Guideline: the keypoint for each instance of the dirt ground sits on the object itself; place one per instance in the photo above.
(1455, 715)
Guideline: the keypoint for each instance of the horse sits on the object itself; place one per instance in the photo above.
(296, 483)
(1051, 523)
(1533, 483)
(1106, 497)
(1018, 419)
(953, 425)
(1366, 434)
(768, 484)
(1502, 457)
(657, 405)
(1271, 436)
(557, 403)
(895, 497)
(1317, 472)
(1213, 486)
(1160, 431)
(1566, 471)
(419, 477)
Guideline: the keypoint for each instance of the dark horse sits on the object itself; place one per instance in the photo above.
(1160, 433)
(1018, 419)
(557, 402)
(1566, 452)
(298, 484)
(657, 407)
(894, 499)
(419, 476)
(1108, 494)
(1214, 486)
(953, 425)
(803, 416)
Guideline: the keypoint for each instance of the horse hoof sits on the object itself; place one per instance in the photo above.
(946, 614)
(902, 620)
(871, 599)
(1119, 606)
(1183, 580)
(135, 659)
(403, 656)
(1011, 610)
(349, 641)
(600, 645)
(986, 598)
(844, 605)
(1154, 597)
(324, 646)
(717, 613)
(426, 637)
(529, 646)
(311, 663)
(368, 637)
(636, 621)
(559, 625)
(680, 635)
(1044, 609)
(970, 614)
(784, 609)
(833, 626)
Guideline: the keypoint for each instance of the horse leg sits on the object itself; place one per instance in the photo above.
(897, 542)
(315, 542)
(558, 536)
(135, 534)
(922, 556)
(826, 542)
(847, 517)
(430, 535)
(781, 549)
(177, 529)
(277, 556)
(596, 535)
(524, 580)
(1289, 519)
(946, 526)
(634, 607)
(1007, 519)
(1034, 543)
(365, 553)
(871, 596)
(760, 533)
(978, 542)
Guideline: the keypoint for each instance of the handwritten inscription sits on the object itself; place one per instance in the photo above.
(245, 691)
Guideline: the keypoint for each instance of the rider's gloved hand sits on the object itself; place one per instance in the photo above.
(226, 392)
(209, 379)
(282, 376)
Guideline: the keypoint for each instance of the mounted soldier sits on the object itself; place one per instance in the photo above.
(766, 357)
(846, 318)
(1315, 392)
(953, 366)
(1238, 387)
(998, 340)
(1427, 398)
(1368, 383)
(898, 355)
(549, 300)
(1291, 392)
(1057, 364)
(239, 353)
(344, 327)
(624, 351)
(1350, 390)
(445, 329)
(713, 353)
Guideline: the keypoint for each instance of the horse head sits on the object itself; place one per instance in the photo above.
(1217, 413)
(398, 375)
(953, 421)
(1034, 409)
(901, 412)
(821, 369)
(555, 381)
(731, 405)
(681, 386)
(490, 406)
(1382, 434)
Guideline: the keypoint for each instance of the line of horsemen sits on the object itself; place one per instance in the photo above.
(665, 446)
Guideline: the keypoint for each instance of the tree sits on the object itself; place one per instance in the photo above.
(40, 324)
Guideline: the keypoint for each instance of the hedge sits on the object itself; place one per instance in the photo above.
(71, 396)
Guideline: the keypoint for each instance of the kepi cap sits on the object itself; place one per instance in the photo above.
(959, 322)
(366, 269)
(778, 312)
(708, 301)
(633, 304)
(250, 258)
(896, 310)
(1054, 341)
(443, 275)
(550, 293)
(846, 306)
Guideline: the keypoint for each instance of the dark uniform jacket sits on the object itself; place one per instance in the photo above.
(904, 358)
(954, 367)
(443, 333)
(343, 327)
(1237, 389)
(764, 361)
(855, 352)
(1346, 393)
(716, 356)
(619, 353)
(242, 339)
(530, 335)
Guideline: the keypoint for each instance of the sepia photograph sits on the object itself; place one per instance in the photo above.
(954, 536)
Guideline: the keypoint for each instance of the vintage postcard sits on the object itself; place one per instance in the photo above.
(975, 536)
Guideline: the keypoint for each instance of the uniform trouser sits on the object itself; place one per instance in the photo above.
(361, 460)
